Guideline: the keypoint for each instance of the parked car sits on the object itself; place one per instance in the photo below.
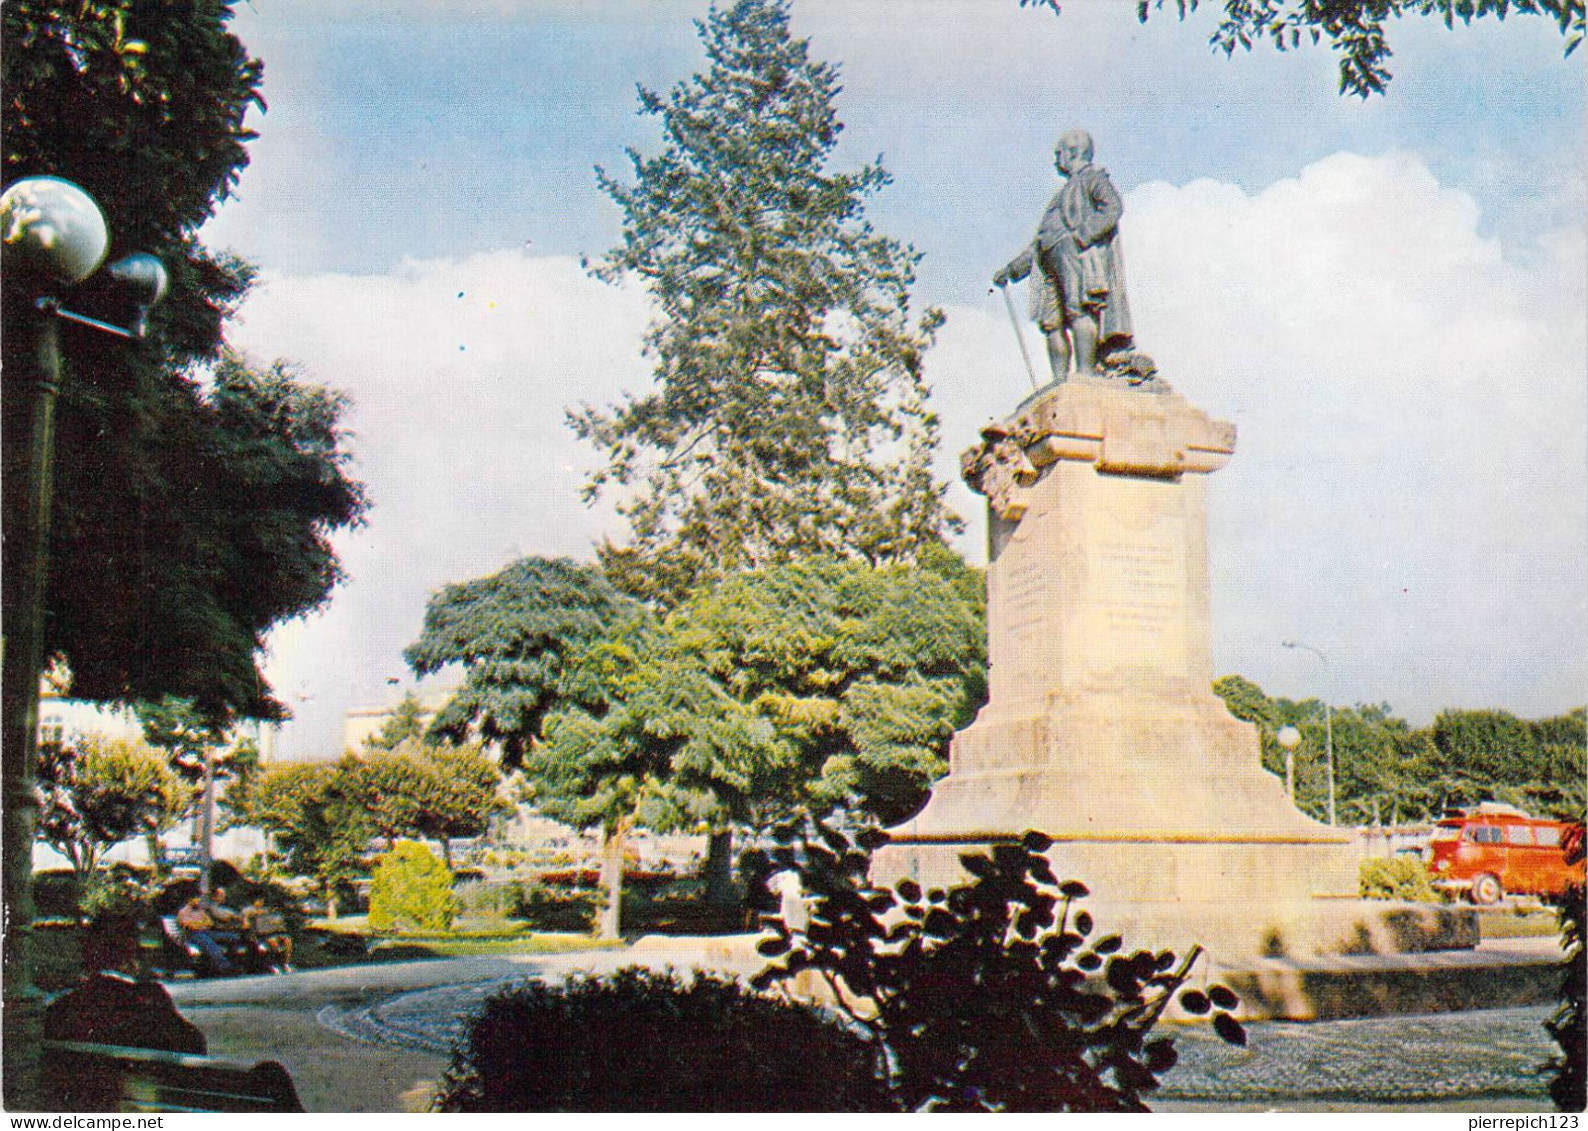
(1495, 850)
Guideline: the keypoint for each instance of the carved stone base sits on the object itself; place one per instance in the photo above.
(1161, 808)
(1101, 728)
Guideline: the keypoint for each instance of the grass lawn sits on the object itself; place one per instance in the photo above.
(468, 939)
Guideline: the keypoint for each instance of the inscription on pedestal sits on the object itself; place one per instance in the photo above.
(1138, 590)
(1023, 611)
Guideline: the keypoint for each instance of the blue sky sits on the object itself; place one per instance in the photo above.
(1385, 296)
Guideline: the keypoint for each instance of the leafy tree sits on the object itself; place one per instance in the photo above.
(1246, 701)
(317, 829)
(418, 790)
(515, 634)
(1354, 29)
(188, 739)
(387, 787)
(1561, 751)
(407, 721)
(462, 796)
(98, 792)
(192, 743)
(423, 790)
(1489, 745)
(647, 731)
(520, 635)
(195, 494)
(790, 414)
(984, 996)
(815, 684)
(1388, 771)
(863, 674)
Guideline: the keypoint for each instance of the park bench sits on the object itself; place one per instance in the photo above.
(87, 1077)
(178, 953)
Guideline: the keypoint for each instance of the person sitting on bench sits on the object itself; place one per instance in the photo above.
(269, 928)
(115, 1005)
(198, 927)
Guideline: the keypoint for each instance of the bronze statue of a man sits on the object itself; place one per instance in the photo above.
(1078, 296)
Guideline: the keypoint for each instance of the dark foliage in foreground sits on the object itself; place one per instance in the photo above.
(992, 995)
(641, 1041)
(1568, 1087)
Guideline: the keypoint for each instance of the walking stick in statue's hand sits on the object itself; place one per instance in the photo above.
(1020, 338)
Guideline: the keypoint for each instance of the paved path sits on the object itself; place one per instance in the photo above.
(375, 1038)
(339, 1032)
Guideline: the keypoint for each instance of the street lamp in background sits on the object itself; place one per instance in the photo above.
(1289, 737)
(53, 236)
(1328, 717)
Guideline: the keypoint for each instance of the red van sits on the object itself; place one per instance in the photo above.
(1496, 849)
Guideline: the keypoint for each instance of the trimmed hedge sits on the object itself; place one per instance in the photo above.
(1396, 877)
(642, 1041)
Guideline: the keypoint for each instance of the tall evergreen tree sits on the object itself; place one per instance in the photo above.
(789, 415)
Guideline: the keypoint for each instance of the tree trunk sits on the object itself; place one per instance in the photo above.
(207, 825)
(719, 869)
(609, 923)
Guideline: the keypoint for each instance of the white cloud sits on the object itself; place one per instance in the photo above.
(1407, 494)
(459, 373)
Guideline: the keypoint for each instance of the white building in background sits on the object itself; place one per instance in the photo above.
(361, 724)
(63, 720)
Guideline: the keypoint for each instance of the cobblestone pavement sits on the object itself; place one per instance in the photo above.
(1476, 1057)
(430, 1019)
(1458, 1061)
(1393, 1062)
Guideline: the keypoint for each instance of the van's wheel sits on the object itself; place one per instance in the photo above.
(1487, 890)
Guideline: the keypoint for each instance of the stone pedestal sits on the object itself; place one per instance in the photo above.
(1101, 728)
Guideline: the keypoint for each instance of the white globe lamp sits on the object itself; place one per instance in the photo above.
(53, 230)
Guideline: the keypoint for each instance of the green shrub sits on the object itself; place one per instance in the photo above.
(111, 892)
(55, 894)
(642, 1041)
(1396, 877)
(412, 890)
(545, 909)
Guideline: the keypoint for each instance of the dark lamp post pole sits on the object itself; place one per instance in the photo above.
(53, 236)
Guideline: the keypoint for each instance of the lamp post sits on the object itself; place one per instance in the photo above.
(53, 236)
(1328, 717)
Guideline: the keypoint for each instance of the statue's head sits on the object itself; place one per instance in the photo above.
(1073, 150)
